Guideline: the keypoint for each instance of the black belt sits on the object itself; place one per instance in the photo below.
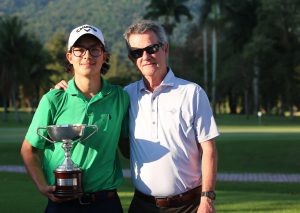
(89, 198)
(170, 201)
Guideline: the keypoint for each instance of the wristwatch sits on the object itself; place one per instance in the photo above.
(210, 194)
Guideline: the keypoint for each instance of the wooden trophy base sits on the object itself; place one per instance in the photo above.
(68, 183)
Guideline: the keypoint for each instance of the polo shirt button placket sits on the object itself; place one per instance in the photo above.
(154, 116)
(89, 113)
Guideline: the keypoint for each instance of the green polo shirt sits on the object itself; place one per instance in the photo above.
(97, 156)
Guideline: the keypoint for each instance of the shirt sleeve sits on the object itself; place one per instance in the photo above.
(42, 118)
(205, 124)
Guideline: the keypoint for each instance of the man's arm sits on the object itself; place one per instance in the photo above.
(124, 147)
(209, 174)
(32, 161)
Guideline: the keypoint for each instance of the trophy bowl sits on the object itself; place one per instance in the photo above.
(66, 132)
(68, 176)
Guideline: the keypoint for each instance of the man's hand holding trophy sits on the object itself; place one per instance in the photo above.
(68, 176)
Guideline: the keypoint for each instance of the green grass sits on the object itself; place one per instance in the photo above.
(9, 154)
(11, 119)
(245, 145)
(258, 197)
(259, 152)
(268, 120)
(20, 195)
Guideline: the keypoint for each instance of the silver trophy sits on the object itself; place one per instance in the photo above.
(68, 176)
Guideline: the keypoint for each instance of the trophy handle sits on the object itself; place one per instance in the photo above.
(95, 130)
(37, 131)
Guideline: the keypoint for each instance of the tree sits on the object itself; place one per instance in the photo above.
(210, 18)
(22, 62)
(274, 49)
(37, 80)
(258, 57)
(171, 10)
(12, 43)
(205, 10)
(240, 20)
(56, 48)
(215, 19)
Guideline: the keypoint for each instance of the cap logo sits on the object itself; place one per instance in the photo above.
(86, 28)
(83, 30)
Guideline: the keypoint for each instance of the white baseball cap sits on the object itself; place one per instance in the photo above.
(83, 30)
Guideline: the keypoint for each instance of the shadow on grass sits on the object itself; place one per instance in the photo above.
(18, 194)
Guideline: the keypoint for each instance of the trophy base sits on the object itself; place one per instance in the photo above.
(68, 183)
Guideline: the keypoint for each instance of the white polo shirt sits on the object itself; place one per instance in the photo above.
(165, 128)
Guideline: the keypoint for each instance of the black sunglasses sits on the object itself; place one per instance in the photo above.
(137, 53)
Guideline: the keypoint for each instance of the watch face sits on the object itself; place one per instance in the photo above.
(211, 195)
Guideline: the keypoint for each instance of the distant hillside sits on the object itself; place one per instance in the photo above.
(46, 17)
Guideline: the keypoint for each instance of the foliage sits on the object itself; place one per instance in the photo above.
(279, 22)
(258, 46)
(23, 61)
(50, 22)
(46, 18)
(258, 65)
(171, 10)
(56, 47)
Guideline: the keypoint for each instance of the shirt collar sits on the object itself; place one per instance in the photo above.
(73, 90)
(168, 81)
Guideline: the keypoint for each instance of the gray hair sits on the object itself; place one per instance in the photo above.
(143, 26)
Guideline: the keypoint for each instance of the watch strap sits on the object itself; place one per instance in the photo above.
(210, 194)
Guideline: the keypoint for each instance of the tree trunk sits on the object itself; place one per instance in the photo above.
(246, 103)
(255, 84)
(214, 66)
(14, 101)
(232, 103)
(5, 111)
(204, 34)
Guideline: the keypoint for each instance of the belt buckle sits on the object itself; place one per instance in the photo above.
(162, 201)
(157, 199)
(168, 201)
(86, 199)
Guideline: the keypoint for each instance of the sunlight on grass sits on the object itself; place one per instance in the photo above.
(126, 194)
(245, 145)
(264, 129)
(257, 202)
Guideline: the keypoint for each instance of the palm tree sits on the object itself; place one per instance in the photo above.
(205, 11)
(171, 10)
(21, 57)
(12, 40)
(210, 16)
(36, 80)
(215, 17)
(241, 20)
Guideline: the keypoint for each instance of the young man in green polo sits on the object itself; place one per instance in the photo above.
(88, 100)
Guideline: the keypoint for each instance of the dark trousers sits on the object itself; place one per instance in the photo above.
(102, 204)
(140, 206)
